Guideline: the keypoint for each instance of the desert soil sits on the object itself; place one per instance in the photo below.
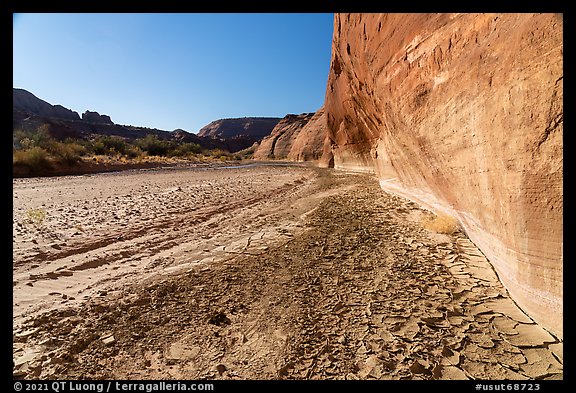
(258, 272)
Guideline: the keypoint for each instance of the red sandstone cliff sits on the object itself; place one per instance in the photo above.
(296, 138)
(308, 144)
(278, 143)
(462, 113)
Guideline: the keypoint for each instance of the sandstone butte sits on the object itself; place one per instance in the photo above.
(463, 114)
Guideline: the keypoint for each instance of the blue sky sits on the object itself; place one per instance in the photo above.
(171, 71)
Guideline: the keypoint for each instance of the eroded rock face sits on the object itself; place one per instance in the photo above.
(278, 144)
(296, 138)
(462, 113)
(308, 143)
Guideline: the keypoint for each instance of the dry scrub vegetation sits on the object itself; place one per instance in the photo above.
(442, 223)
(34, 152)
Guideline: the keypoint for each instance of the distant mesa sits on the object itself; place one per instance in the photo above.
(239, 133)
(245, 127)
(95, 117)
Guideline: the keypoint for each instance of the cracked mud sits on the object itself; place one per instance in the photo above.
(255, 273)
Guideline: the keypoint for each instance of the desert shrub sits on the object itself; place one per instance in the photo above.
(109, 145)
(217, 153)
(133, 151)
(185, 149)
(441, 224)
(26, 143)
(69, 152)
(98, 147)
(36, 216)
(153, 146)
(25, 139)
(35, 158)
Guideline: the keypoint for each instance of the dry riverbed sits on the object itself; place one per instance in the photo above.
(259, 272)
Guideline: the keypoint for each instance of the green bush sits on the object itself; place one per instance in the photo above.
(154, 146)
(185, 150)
(99, 148)
(109, 145)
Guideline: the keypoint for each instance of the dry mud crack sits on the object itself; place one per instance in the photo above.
(301, 274)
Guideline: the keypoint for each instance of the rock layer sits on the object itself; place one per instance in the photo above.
(463, 114)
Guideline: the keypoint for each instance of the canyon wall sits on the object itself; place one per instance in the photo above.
(296, 138)
(277, 145)
(308, 144)
(463, 114)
